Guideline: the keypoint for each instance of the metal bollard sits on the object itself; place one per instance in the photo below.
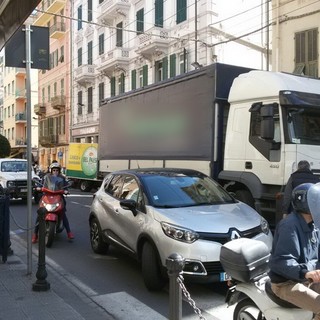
(175, 264)
(41, 283)
(4, 224)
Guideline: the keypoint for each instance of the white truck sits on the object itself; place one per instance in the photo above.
(13, 177)
(247, 129)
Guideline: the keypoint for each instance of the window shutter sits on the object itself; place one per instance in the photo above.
(122, 82)
(172, 65)
(145, 75)
(181, 10)
(140, 21)
(133, 79)
(165, 68)
(113, 86)
(158, 21)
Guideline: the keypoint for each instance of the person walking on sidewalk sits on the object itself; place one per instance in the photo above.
(55, 173)
(302, 175)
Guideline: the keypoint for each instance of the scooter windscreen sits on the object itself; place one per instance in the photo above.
(53, 183)
(313, 199)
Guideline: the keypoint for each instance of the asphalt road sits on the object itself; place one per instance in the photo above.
(115, 276)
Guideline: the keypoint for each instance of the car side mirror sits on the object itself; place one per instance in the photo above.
(129, 204)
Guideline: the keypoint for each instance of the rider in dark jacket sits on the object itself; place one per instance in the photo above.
(302, 175)
(295, 253)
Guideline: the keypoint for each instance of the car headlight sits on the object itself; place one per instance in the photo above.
(178, 233)
(10, 184)
(264, 226)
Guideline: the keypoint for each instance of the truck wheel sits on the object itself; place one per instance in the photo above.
(246, 309)
(50, 231)
(85, 186)
(151, 269)
(246, 197)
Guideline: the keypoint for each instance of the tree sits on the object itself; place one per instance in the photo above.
(5, 147)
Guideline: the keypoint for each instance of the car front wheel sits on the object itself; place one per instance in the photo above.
(151, 269)
(96, 239)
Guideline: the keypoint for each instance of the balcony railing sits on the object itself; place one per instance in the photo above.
(21, 116)
(57, 30)
(58, 102)
(40, 108)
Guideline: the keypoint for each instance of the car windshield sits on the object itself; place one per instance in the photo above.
(13, 166)
(179, 190)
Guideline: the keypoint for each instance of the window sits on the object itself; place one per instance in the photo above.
(183, 62)
(306, 52)
(80, 104)
(49, 93)
(119, 41)
(89, 10)
(141, 78)
(101, 44)
(161, 69)
(90, 100)
(79, 57)
(100, 1)
(115, 186)
(62, 86)
(9, 113)
(90, 52)
(79, 17)
(158, 13)
(121, 83)
(140, 21)
(145, 75)
(61, 59)
(181, 10)
(55, 89)
(101, 92)
(43, 95)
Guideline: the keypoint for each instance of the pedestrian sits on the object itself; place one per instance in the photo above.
(302, 175)
(60, 183)
(294, 261)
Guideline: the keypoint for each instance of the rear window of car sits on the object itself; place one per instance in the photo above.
(183, 191)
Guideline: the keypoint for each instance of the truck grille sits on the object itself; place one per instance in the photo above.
(20, 183)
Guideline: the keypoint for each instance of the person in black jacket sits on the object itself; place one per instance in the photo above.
(302, 175)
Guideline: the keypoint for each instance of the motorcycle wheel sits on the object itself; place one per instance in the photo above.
(50, 231)
(246, 309)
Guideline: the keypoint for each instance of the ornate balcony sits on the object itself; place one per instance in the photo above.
(58, 30)
(58, 102)
(110, 9)
(40, 109)
(114, 60)
(154, 41)
(47, 141)
(48, 7)
(85, 74)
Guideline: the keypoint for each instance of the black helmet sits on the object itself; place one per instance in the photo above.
(314, 203)
(299, 198)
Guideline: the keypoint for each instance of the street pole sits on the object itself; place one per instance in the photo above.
(28, 63)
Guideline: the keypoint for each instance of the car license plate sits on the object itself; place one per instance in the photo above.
(224, 277)
(24, 190)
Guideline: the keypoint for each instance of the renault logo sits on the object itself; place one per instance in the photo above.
(235, 235)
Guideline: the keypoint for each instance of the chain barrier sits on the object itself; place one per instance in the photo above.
(192, 303)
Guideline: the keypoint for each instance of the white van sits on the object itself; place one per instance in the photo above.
(13, 177)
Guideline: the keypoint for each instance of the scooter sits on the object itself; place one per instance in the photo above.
(245, 261)
(54, 203)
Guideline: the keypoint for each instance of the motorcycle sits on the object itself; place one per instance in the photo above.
(246, 263)
(54, 203)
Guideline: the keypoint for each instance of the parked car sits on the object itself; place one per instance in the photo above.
(152, 213)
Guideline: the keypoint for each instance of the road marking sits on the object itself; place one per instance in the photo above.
(124, 306)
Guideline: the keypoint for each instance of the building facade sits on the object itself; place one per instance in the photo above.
(295, 37)
(53, 108)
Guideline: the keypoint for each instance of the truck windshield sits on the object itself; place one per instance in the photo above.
(13, 166)
(301, 118)
(304, 125)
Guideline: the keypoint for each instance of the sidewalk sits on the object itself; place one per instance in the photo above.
(61, 301)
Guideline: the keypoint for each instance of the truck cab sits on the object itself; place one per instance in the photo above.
(273, 123)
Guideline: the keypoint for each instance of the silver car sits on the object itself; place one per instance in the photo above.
(152, 213)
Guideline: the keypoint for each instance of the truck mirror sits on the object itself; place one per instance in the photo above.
(267, 122)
